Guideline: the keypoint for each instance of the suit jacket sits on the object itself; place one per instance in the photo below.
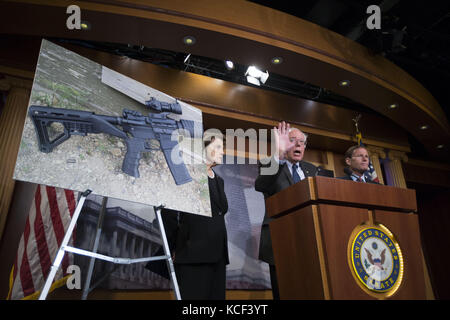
(270, 185)
(199, 239)
(347, 177)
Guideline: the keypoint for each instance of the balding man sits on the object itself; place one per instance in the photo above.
(291, 145)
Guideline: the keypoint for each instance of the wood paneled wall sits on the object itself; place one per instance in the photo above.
(12, 120)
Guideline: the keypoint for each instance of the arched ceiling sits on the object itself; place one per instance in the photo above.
(248, 34)
(414, 34)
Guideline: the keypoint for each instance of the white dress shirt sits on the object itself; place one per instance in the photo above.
(355, 177)
(300, 172)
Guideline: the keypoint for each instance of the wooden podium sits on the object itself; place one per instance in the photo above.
(313, 229)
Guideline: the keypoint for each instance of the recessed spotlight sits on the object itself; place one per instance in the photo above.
(85, 25)
(189, 40)
(393, 106)
(229, 64)
(344, 83)
(440, 146)
(424, 127)
(277, 60)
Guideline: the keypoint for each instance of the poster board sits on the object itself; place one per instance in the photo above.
(88, 102)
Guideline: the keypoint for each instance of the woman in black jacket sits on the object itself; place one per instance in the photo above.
(201, 248)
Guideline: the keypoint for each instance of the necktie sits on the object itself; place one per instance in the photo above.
(295, 175)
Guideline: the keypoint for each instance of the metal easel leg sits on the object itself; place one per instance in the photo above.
(98, 233)
(172, 274)
(61, 250)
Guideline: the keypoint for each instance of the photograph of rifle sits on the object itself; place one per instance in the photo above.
(93, 127)
(136, 131)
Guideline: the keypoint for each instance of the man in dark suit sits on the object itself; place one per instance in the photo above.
(290, 146)
(357, 160)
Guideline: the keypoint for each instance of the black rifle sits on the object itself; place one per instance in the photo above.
(136, 130)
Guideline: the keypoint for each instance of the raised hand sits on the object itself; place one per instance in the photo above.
(282, 141)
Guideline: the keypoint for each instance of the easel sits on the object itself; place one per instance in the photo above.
(94, 255)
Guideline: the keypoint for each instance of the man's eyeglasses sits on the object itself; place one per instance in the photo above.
(298, 141)
(361, 156)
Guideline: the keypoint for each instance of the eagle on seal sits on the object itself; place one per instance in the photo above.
(378, 262)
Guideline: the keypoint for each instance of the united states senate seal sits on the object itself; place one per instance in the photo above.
(375, 260)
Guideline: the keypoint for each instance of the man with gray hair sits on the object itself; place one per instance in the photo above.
(290, 145)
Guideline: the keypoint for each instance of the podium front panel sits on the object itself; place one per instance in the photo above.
(337, 224)
(296, 255)
(405, 228)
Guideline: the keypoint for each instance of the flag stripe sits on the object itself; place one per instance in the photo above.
(48, 220)
(32, 254)
(65, 219)
(58, 227)
(41, 241)
(71, 204)
(21, 270)
(25, 272)
(25, 276)
(70, 198)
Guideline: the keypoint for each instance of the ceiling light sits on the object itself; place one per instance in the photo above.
(229, 64)
(440, 146)
(344, 83)
(424, 127)
(189, 40)
(253, 80)
(277, 60)
(256, 76)
(393, 106)
(85, 25)
(253, 72)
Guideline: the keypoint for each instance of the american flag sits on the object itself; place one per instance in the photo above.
(49, 218)
(371, 172)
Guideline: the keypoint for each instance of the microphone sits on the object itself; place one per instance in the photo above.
(319, 171)
(348, 171)
(366, 174)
